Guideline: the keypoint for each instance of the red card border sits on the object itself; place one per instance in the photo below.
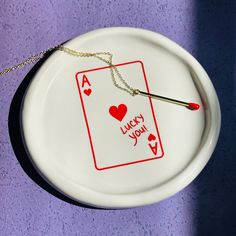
(86, 120)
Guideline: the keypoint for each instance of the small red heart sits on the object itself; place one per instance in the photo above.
(151, 137)
(87, 91)
(118, 112)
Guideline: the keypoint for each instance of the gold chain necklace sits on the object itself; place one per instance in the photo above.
(113, 69)
(98, 55)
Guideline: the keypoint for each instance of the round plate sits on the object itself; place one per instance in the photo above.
(101, 146)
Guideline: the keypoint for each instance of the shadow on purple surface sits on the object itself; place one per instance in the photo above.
(216, 48)
(17, 141)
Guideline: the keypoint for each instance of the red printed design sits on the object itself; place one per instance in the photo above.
(151, 137)
(139, 130)
(118, 112)
(87, 91)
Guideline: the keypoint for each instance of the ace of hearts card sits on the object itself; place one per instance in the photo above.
(122, 129)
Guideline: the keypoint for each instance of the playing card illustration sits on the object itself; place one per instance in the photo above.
(122, 129)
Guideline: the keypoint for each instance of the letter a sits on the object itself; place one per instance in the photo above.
(153, 148)
(85, 80)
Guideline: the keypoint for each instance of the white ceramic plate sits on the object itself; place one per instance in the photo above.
(81, 150)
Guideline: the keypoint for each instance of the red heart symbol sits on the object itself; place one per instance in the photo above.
(118, 112)
(88, 91)
(151, 137)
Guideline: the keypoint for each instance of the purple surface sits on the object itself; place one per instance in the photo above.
(27, 27)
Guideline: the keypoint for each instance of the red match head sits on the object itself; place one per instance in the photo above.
(193, 106)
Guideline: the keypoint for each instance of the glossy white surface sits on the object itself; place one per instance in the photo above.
(56, 135)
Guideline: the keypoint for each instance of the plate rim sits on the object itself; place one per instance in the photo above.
(167, 189)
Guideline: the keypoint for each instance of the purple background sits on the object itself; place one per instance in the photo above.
(207, 30)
